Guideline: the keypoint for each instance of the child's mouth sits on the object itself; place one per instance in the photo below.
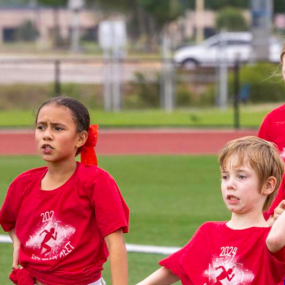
(232, 198)
(47, 146)
(47, 149)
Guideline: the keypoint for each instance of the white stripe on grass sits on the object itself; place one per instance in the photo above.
(130, 247)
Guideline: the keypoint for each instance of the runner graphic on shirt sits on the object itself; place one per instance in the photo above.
(50, 239)
(226, 270)
(49, 235)
(225, 274)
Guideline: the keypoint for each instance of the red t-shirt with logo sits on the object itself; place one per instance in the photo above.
(273, 129)
(62, 231)
(219, 255)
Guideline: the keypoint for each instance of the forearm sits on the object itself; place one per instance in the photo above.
(119, 266)
(15, 240)
(162, 276)
(118, 258)
(16, 245)
(276, 238)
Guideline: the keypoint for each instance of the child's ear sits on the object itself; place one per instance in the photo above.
(269, 186)
(82, 138)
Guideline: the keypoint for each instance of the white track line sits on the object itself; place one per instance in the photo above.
(5, 239)
(151, 249)
(130, 247)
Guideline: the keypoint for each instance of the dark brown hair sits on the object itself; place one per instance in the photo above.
(79, 112)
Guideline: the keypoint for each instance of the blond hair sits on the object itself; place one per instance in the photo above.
(263, 157)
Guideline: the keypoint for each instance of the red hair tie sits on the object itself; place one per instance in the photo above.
(88, 155)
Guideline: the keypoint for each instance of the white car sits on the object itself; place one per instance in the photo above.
(225, 46)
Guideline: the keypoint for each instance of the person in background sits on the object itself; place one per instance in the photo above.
(272, 129)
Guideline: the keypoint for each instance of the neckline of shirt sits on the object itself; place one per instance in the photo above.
(58, 189)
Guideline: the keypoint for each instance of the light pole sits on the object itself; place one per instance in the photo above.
(75, 6)
(199, 21)
(261, 14)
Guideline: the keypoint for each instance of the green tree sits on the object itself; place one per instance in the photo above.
(278, 6)
(217, 4)
(231, 19)
(27, 32)
(163, 11)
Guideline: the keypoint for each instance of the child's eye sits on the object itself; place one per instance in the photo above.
(241, 177)
(58, 128)
(224, 177)
(40, 127)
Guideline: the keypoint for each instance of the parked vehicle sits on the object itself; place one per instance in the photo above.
(225, 46)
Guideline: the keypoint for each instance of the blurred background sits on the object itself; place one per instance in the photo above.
(209, 70)
(169, 55)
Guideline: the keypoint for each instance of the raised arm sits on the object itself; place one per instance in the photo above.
(277, 212)
(16, 246)
(118, 257)
(276, 238)
(162, 276)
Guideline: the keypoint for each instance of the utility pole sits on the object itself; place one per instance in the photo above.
(261, 14)
(199, 21)
(75, 6)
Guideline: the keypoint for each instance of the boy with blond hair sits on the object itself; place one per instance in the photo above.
(244, 250)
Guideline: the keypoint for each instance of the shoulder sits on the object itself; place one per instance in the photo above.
(92, 174)
(208, 229)
(277, 112)
(29, 175)
(212, 226)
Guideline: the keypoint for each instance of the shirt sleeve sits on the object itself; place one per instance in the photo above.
(111, 211)
(173, 262)
(9, 209)
(277, 264)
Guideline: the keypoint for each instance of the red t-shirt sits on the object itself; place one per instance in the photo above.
(273, 129)
(218, 255)
(62, 231)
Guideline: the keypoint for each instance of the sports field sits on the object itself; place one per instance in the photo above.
(250, 117)
(169, 197)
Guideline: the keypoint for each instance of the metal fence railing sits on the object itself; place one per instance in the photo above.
(124, 84)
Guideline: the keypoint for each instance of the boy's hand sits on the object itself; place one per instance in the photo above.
(279, 210)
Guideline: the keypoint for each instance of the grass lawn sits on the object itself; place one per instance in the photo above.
(251, 116)
(169, 197)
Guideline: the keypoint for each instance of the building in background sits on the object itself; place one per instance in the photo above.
(43, 19)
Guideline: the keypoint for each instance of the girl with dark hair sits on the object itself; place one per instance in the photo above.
(65, 218)
(273, 129)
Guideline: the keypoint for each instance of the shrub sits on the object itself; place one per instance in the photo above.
(27, 32)
(231, 19)
(31, 96)
(147, 90)
(265, 81)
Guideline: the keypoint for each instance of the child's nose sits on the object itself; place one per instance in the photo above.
(47, 134)
(231, 183)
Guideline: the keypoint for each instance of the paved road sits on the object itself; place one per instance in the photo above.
(34, 70)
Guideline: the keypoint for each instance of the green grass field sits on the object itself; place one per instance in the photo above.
(251, 116)
(169, 197)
